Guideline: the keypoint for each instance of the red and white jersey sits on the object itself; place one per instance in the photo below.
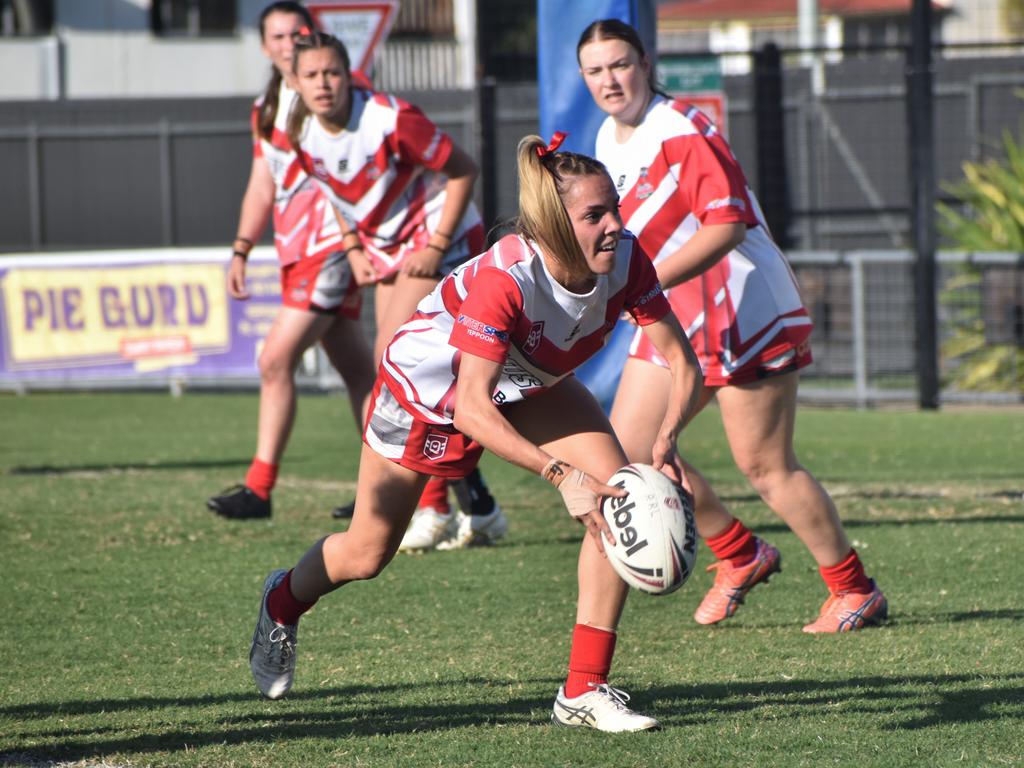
(304, 224)
(382, 175)
(675, 174)
(505, 306)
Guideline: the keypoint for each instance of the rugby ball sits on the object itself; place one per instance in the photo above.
(655, 535)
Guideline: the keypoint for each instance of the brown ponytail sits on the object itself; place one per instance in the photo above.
(268, 107)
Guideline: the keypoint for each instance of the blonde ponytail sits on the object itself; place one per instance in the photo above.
(544, 180)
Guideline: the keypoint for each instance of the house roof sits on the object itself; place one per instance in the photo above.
(708, 10)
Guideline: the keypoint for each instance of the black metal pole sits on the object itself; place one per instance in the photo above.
(772, 181)
(487, 106)
(921, 141)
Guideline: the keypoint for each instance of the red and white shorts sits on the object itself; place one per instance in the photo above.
(467, 245)
(780, 348)
(321, 283)
(431, 449)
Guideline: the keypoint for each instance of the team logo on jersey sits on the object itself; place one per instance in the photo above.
(533, 340)
(644, 188)
(319, 169)
(435, 445)
(372, 171)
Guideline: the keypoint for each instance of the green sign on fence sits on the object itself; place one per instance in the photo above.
(690, 74)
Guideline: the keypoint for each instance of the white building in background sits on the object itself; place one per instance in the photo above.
(84, 49)
(727, 26)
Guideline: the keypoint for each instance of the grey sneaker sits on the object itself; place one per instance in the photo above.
(272, 655)
(604, 709)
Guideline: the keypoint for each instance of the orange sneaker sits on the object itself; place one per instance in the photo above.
(732, 583)
(848, 611)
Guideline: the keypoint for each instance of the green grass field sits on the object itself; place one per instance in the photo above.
(128, 608)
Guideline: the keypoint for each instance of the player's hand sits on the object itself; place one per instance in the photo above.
(362, 268)
(236, 279)
(672, 468)
(424, 262)
(582, 497)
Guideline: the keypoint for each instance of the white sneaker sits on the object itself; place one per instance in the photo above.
(427, 529)
(477, 530)
(272, 655)
(603, 709)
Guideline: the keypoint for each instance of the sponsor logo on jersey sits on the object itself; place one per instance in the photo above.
(727, 202)
(572, 333)
(435, 445)
(431, 150)
(519, 376)
(649, 295)
(644, 188)
(343, 165)
(486, 333)
(533, 340)
(621, 182)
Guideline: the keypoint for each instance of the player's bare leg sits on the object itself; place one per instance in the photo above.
(759, 423)
(349, 352)
(386, 496)
(641, 398)
(292, 333)
(569, 424)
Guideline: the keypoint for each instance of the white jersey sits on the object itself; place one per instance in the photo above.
(382, 174)
(505, 306)
(304, 224)
(675, 174)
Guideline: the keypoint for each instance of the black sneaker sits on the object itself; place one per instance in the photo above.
(345, 511)
(239, 503)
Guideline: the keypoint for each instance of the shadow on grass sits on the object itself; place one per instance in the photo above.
(901, 702)
(70, 469)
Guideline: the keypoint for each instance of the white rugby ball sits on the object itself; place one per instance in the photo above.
(655, 535)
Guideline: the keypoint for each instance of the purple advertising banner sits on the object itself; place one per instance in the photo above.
(132, 317)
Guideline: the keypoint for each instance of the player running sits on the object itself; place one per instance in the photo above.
(486, 362)
(685, 197)
(401, 189)
(321, 301)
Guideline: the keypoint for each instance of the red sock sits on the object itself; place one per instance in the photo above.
(847, 576)
(590, 659)
(282, 605)
(735, 544)
(261, 478)
(436, 495)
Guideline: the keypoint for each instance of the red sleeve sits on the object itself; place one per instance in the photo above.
(418, 141)
(711, 182)
(484, 322)
(645, 300)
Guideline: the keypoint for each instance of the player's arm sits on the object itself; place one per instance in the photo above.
(257, 203)
(687, 382)
(477, 416)
(461, 172)
(701, 252)
(362, 268)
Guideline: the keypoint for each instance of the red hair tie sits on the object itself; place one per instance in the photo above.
(556, 141)
(305, 31)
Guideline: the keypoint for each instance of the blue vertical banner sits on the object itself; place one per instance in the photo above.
(566, 105)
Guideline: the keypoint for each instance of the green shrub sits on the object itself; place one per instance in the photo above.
(990, 217)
